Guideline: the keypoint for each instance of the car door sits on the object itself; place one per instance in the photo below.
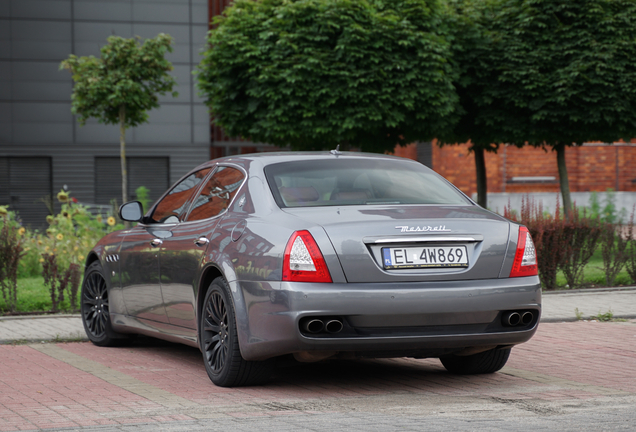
(183, 251)
(139, 254)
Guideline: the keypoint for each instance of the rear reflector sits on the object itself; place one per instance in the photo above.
(525, 263)
(303, 260)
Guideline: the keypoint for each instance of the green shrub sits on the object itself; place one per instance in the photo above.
(11, 250)
(560, 243)
(143, 196)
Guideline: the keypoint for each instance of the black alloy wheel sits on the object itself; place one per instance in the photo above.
(95, 308)
(219, 342)
(215, 329)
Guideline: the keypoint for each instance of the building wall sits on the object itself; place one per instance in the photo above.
(35, 116)
(591, 167)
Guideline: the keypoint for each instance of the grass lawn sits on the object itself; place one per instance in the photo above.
(34, 296)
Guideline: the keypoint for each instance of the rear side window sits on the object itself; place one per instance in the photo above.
(216, 194)
(343, 181)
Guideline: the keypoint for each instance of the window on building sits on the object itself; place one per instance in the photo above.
(25, 186)
(150, 172)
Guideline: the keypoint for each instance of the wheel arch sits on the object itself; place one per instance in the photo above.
(90, 259)
(210, 273)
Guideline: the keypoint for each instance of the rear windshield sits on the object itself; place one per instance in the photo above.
(342, 181)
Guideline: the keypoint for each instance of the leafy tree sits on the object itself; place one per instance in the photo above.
(471, 21)
(556, 73)
(122, 85)
(313, 73)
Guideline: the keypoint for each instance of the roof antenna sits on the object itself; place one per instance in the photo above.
(336, 152)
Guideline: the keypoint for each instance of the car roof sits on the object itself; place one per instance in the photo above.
(269, 158)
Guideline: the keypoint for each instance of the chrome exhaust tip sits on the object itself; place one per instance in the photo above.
(313, 326)
(527, 317)
(511, 319)
(334, 326)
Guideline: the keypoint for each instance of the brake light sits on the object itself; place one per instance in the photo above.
(525, 263)
(303, 260)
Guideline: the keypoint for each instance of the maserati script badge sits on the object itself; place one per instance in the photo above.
(439, 228)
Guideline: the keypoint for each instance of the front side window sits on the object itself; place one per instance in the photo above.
(173, 206)
(341, 182)
(216, 194)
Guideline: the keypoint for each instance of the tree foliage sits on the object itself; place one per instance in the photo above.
(313, 73)
(122, 85)
(552, 73)
(128, 73)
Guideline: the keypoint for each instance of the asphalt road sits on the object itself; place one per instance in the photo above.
(570, 376)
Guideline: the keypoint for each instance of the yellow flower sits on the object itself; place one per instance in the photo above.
(99, 219)
(40, 242)
(46, 248)
(59, 236)
(54, 250)
(49, 219)
(3, 211)
(75, 248)
(62, 196)
(111, 221)
(51, 253)
(80, 257)
(41, 259)
(22, 230)
(26, 249)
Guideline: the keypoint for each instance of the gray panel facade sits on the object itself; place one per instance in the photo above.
(35, 116)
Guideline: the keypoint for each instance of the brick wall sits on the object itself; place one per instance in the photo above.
(591, 167)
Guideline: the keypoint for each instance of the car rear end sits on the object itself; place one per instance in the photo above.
(394, 261)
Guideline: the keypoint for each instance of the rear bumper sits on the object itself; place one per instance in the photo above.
(419, 319)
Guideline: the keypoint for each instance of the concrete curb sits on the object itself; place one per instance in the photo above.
(574, 319)
(22, 317)
(589, 290)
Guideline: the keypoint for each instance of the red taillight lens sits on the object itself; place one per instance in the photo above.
(525, 263)
(303, 260)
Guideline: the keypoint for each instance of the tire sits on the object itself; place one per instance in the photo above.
(219, 342)
(95, 309)
(482, 363)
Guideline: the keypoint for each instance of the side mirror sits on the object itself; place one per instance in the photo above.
(131, 211)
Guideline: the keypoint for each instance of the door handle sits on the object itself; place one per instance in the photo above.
(156, 242)
(201, 241)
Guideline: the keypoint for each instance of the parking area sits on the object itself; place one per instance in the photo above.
(567, 368)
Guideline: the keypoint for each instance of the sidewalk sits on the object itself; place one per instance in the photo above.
(557, 306)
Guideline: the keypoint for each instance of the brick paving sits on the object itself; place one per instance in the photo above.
(73, 385)
(79, 385)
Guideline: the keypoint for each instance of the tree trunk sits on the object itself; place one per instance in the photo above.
(122, 156)
(563, 180)
(482, 183)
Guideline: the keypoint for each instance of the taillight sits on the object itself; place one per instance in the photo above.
(525, 263)
(303, 260)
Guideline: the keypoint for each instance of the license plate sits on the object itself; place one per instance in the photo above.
(425, 257)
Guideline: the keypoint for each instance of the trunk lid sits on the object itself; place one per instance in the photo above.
(363, 237)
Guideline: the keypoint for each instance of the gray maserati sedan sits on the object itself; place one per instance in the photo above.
(315, 255)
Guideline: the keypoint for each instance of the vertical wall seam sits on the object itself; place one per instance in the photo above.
(190, 78)
(73, 120)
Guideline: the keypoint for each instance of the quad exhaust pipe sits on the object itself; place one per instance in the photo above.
(334, 326)
(321, 325)
(313, 326)
(515, 318)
